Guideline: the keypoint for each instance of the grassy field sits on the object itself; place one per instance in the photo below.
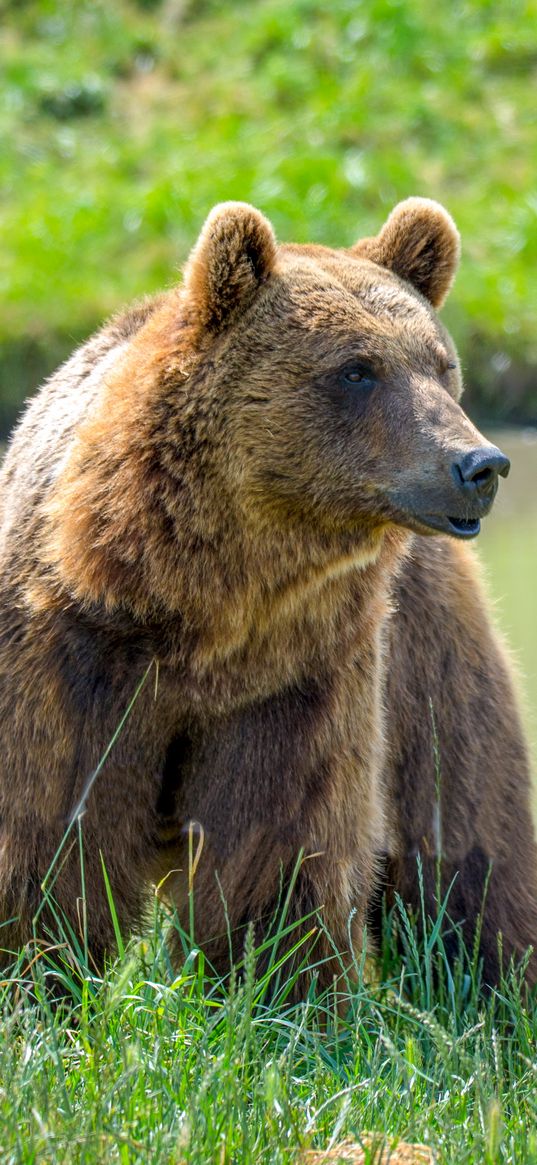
(122, 123)
(147, 1067)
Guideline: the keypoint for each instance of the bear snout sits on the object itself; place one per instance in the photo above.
(476, 474)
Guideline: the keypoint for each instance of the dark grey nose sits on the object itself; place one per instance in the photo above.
(478, 471)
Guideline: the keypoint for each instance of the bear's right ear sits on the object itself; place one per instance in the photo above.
(233, 257)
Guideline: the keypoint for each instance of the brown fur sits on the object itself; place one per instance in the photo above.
(458, 775)
(200, 494)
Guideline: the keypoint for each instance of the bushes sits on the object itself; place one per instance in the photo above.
(124, 123)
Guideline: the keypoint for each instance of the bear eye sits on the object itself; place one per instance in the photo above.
(358, 375)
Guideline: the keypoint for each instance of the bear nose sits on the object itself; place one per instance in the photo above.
(478, 471)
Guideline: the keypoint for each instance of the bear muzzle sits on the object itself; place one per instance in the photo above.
(476, 475)
(471, 489)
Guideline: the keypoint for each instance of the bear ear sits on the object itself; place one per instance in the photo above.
(233, 257)
(421, 244)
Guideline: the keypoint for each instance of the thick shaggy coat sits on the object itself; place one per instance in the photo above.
(223, 501)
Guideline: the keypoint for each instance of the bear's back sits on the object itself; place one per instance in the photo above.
(44, 436)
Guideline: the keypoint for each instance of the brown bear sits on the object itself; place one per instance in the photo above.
(222, 605)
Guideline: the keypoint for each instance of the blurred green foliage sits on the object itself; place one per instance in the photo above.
(122, 123)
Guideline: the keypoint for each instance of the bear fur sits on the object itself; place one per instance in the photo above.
(215, 535)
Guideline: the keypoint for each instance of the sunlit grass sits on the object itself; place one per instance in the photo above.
(155, 1065)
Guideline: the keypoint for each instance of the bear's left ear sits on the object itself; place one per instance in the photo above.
(233, 257)
(421, 243)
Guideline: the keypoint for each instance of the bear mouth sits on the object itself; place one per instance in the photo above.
(464, 528)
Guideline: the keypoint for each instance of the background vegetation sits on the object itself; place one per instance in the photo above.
(122, 123)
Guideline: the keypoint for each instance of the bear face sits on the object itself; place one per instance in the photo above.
(339, 382)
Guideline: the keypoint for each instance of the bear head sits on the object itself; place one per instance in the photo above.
(339, 383)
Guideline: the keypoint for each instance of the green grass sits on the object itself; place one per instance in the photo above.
(149, 1065)
(123, 123)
